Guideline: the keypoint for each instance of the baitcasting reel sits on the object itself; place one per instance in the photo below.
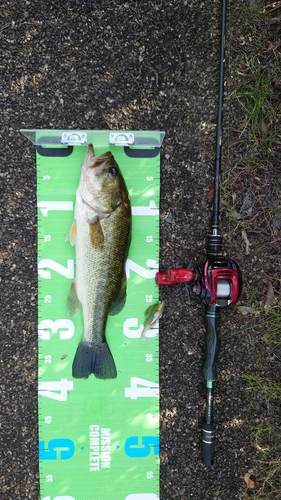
(216, 282)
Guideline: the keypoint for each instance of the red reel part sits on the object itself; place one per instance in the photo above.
(174, 275)
(218, 282)
(222, 283)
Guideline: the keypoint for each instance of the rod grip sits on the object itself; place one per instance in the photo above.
(211, 342)
(208, 444)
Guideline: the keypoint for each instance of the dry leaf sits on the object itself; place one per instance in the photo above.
(64, 356)
(266, 336)
(247, 310)
(210, 197)
(249, 481)
(269, 296)
(245, 238)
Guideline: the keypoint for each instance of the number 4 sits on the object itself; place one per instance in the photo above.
(149, 390)
(46, 389)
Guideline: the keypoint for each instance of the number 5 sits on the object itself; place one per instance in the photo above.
(144, 451)
(51, 452)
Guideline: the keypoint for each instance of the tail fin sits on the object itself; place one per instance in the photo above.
(93, 359)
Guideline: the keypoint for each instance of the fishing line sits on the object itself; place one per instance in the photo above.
(228, 111)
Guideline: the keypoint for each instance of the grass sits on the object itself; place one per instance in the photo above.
(270, 389)
(255, 95)
(268, 483)
(276, 327)
(255, 12)
(261, 433)
(265, 434)
(259, 70)
(268, 489)
(251, 191)
(251, 187)
(270, 321)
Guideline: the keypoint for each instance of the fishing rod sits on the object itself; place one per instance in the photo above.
(217, 282)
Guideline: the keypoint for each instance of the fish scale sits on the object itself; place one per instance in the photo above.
(102, 283)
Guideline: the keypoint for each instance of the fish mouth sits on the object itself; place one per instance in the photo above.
(93, 162)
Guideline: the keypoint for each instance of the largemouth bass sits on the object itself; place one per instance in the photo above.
(101, 235)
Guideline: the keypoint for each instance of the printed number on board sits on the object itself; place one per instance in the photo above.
(148, 389)
(148, 443)
(62, 386)
(45, 206)
(65, 327)
(142, 271)
(150, 210)
(132, 330)
(65, 451)
(67, 272)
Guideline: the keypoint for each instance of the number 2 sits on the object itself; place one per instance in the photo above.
(67, 272)
(141, 271)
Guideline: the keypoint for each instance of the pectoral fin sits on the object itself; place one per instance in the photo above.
(72, 235)
(118, 302)
(73, 303)
(96, 234)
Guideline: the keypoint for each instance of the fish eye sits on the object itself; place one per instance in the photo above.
(113, 170)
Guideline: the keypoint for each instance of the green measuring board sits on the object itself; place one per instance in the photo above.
(98, 439)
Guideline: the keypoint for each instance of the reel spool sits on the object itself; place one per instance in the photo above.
(220, 283)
